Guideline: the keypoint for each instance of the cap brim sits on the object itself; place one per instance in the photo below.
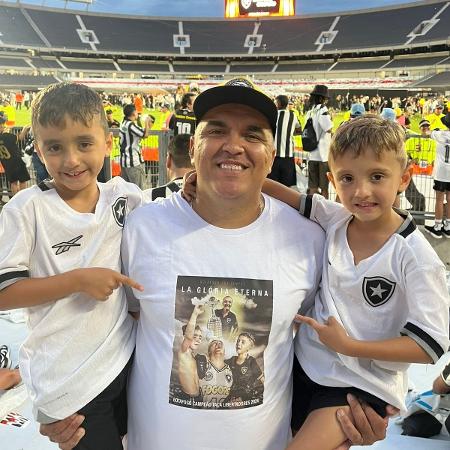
(221, 95)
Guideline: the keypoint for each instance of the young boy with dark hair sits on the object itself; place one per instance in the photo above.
(383, 301)
(60, 259)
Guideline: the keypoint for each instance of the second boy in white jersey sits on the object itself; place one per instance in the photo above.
(383, 301)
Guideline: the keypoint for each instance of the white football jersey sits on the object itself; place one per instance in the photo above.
(400, 290)
(77, 345)
(441, 170)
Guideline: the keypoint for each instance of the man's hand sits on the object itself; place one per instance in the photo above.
(189, 186)
(100, 283)
(331, 333)
(362, 426)
(67, 432)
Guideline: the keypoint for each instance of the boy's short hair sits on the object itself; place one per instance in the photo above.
(369, 132)
(283, 101)
(78, 101)
(179, 150)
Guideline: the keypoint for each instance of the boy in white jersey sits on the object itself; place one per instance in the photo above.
(383, 301)
(441, 175)
(60, 259)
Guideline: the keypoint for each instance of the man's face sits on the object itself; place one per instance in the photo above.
(438, 110)
(227, 302)
(215, 349)
(232, 152)
(425, 129)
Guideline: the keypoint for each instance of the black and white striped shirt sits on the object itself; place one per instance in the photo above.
(286, 124)
(130, 144)
(167, 189)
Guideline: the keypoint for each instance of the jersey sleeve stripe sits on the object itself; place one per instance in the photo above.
(445, 375)
(424, 340)
(305, 205)
(138, 131)
(8, 278)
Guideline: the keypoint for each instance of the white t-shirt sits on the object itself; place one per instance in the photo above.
(77, 345)
(322, 123)
(268, 268)
(441, 170)
(400, 290)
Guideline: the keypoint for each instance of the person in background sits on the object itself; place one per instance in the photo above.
(323, 125)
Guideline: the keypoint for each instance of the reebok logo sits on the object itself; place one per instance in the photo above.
(63, 247)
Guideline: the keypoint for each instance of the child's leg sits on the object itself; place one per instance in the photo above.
(321, 431)
(439, 207)
(105, 420)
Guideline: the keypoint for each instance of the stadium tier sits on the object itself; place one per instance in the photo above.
(394, 27)
(26, 81)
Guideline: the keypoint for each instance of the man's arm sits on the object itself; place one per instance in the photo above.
(98, 283)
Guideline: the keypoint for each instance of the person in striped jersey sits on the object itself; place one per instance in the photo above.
(178, 163)
(283, 169)
(131, 162)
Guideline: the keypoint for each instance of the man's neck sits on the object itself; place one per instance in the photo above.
(231, 213)
(174, 173)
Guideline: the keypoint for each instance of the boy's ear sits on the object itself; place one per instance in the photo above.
(406, 178)
(331, 179)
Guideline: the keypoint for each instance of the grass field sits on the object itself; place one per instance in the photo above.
(23, 117)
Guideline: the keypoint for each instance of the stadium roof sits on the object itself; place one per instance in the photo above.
(207, 8)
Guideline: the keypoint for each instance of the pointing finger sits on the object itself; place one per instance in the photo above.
(129, 282)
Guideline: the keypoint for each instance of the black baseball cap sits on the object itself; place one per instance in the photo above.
(237, 90)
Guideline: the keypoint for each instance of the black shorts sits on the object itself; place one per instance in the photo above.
(106, 416)
(441, 186)
(283, 171)
(309, 396)
(317, 175)
(16, 171)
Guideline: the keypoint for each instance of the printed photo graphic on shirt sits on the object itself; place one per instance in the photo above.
(377, 290)
(222, 328)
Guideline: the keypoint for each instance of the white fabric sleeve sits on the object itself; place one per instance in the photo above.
(16, 246)
(428, 309)
(320, 210)
(325, 121)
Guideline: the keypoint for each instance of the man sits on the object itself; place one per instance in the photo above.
(421, 150)
(131, 162)
(112, 123)
(435, 118)
(232, 241)
(227, 317)
(178, 163)
(283, 169)
(318, 158)
(182, 120)
(190, 363)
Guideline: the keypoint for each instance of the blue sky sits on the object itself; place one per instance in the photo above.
(206, 8)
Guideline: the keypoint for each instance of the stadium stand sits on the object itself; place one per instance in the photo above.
(143, 67)
(26, 81)
(199, 68)
(305, 67)
(92, 65)
(16, 29)
(386, 28)
(404, 40)
(440, 80)
(361, 64)
(402, 62)
(251, 68)
(6, 62)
